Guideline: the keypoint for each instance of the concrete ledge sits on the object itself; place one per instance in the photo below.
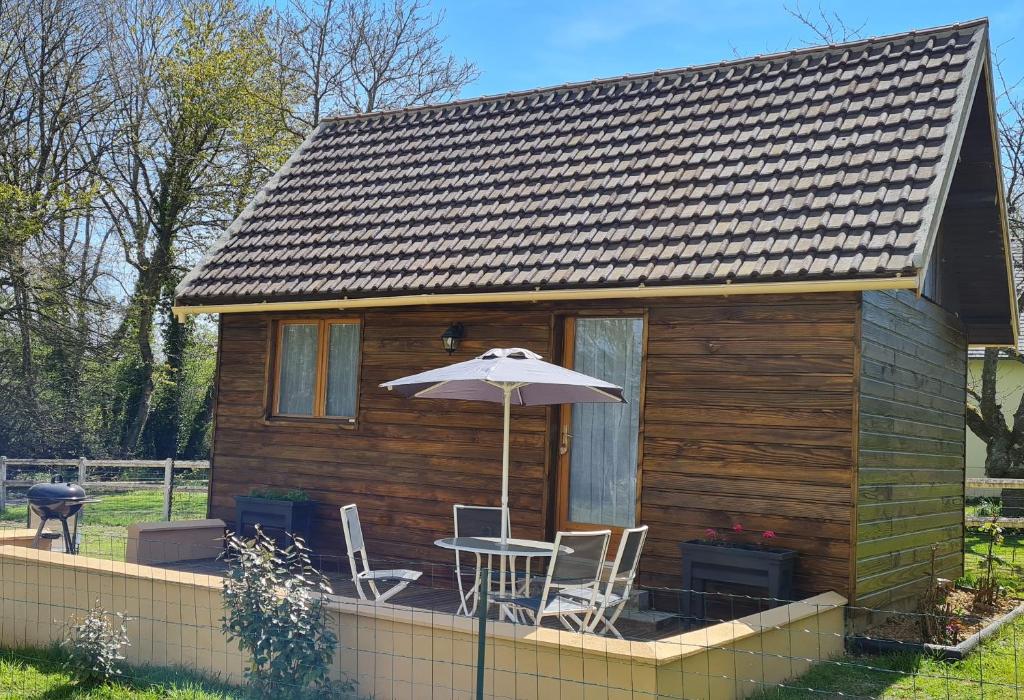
(22, 537)
(661, 652)
(180, 540)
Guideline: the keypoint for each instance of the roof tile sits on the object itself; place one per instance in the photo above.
(815, 163)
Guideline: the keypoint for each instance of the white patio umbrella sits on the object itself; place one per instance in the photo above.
(507, 376)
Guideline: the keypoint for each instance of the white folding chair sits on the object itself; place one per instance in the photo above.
(474, 521)
(482, 521)
(575, 565)
(360, 564)
(612, 600)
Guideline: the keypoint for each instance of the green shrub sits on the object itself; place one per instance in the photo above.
(95, 643)
(274, 601)
(294, 495)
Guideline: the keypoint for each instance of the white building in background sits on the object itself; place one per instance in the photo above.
(1010, 385)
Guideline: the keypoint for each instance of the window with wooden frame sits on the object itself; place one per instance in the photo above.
(316, 372)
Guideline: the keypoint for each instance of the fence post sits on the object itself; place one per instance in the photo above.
(81, 472)
(168, 487)
(3, 484)
(481, 643)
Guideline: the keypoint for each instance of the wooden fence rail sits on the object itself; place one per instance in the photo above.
(1009, 484)
(83, 465)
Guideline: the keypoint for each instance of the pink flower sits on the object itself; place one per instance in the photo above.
(738, 527)
(768, 534)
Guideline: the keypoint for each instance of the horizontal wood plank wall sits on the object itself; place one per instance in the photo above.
(911, 445)
(748, 418)
(405, 462)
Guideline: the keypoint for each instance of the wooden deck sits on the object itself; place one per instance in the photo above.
(443, 600)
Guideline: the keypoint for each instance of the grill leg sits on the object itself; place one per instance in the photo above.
(39, 533)
(69, 544)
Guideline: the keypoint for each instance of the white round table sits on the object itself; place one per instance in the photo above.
(493, 547)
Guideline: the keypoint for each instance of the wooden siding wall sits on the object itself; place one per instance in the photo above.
(911, 447)
(749, 420)
(405, 462)
(748, 417)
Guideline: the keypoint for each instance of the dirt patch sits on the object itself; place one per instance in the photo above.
(968, 618)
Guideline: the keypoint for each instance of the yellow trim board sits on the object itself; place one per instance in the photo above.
(692, 290)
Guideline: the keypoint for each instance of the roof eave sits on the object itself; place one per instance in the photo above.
(816, 286)
(926, 246)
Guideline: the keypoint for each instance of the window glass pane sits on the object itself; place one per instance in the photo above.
(297, 382)
(603, 454)
(342, 369)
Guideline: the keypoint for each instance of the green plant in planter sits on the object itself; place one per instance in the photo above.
(274, 602)
(94, 645)
(293, 495)
(988, 508)
(988, 588)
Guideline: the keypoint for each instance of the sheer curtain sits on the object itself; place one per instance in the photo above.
(602, 467)
(297, 383)
(342, 369)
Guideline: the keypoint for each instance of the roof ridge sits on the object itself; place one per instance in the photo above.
(661, 73)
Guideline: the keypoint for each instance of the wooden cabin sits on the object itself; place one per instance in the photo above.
(782, 259)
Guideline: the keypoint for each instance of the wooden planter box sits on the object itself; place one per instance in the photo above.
(275, 517)
(738, 564)
(1012, 503)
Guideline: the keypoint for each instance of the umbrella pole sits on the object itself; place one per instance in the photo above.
(507, 389)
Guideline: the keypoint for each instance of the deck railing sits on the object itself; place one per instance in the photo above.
(162, 479)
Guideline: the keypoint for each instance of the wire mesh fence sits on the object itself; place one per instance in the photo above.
(417, 645)
(139, 481)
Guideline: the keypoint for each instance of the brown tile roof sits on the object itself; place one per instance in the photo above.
(817, 163)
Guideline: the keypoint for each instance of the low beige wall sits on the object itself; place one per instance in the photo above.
(178, 540)
(400, 652)
(22, 537)
(407, 653)
(176, 615)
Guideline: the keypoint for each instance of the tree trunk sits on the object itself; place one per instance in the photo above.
(137, 412)
(156, 271)
(1004, 444)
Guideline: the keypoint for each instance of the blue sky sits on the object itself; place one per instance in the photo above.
(522, 44)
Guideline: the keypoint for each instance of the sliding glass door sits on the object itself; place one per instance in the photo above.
(598, 444)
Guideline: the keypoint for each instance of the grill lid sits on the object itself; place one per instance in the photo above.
(54, 492)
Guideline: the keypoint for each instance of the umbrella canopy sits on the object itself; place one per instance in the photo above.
(530, 381)
(507, 376)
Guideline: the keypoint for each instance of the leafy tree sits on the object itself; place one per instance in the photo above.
(53, 104)
(131, 133)
(198, 135)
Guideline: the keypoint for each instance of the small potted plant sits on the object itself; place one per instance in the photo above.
(276, 511)
(730, 557)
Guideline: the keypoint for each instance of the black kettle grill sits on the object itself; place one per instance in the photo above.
(57, 501)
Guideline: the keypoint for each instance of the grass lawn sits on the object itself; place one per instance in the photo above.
(39, 675)
(104, 524)
(991, 672)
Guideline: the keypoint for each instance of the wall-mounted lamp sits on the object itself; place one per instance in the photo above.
(451, 337)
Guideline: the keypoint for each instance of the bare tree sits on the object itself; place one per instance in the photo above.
(827, 25)
(362, 56)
